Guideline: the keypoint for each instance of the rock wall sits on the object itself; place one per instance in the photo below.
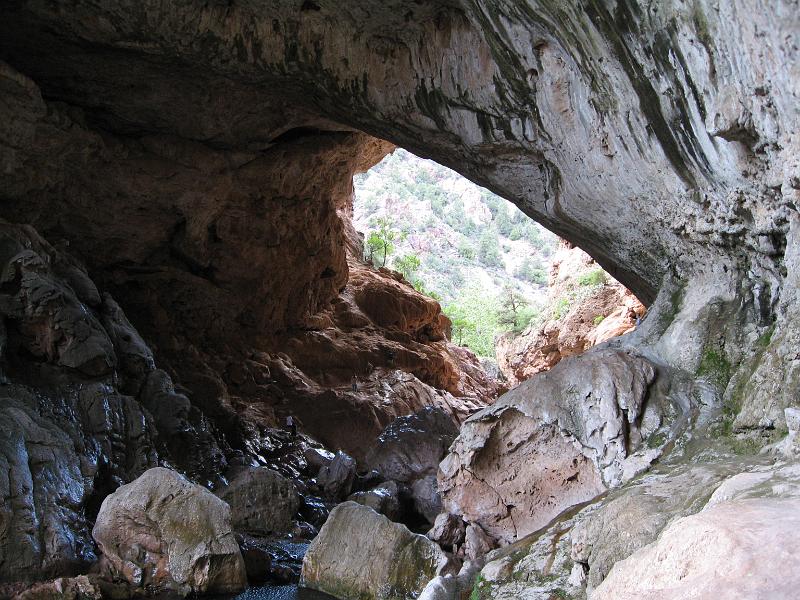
(663, 142)
(585, 307)
(542, 102)
(77, 409)
(233, 264)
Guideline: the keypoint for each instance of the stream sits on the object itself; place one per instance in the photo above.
(281, 592)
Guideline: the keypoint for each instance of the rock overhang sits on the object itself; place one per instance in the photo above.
(549, 106)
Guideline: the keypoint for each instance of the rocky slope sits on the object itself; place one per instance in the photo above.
(197, 157)
(464, 235)
(585, 307)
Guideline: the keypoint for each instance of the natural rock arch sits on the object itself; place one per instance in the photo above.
(195, 156)
(637, 133)
(179, 141)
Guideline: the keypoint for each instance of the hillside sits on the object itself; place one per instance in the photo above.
(459, 242)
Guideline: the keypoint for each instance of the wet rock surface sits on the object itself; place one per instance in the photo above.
(409, 451)
(412, 447)
(262, 501)
(163, 532)
(361, 554)
(69, 431)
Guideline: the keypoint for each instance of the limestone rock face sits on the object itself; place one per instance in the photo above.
(361, 554)
(217, 218)
(724, 130)
(163, 532)
(72, 426)
(737, 550)
(557, 440)
(762, 395)
(198, 157)
(262, 501)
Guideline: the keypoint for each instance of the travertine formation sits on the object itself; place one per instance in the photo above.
(735, 550)
(557, 440)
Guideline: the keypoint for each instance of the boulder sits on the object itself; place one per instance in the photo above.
(313, 509)
(336, 479)
(555, 441)
(361, 554)
(317, 458)
(384, 499)
(452, 586)
(64, 588)
(161, 531)
(734, 550)
(427, 501)
(448, 530)
(411, 447)
(477, 543)
(262, 501)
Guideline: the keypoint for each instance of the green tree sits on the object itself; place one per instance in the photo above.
(476, 311)
(489, 249)
(532, 270)
(407, 265)
(593, 278)
(503, 222)
(380, 243)
(514, 310)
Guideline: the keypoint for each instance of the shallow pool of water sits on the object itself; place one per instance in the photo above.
(281, 592)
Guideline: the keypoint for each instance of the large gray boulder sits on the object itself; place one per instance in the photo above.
(412, 446)
(163, 532)
(262, 501)
(557, 440)
(361, 554)
(734, 550)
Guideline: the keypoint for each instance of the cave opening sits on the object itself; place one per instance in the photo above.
(516, 295)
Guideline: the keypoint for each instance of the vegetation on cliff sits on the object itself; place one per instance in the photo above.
(479, 255)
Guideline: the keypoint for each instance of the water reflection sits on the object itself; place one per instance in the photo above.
(282, 592)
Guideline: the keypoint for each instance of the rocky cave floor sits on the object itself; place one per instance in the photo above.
(572, 484)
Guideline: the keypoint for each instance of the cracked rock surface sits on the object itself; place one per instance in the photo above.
(557, 440)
